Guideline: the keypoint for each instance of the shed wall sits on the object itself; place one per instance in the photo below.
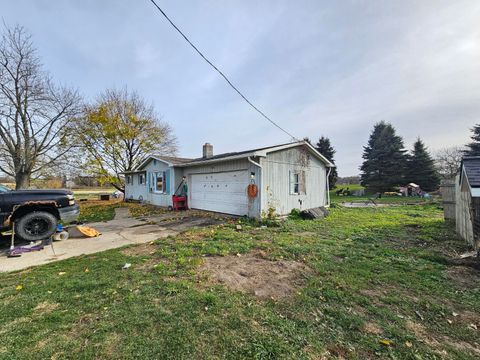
(463, 217)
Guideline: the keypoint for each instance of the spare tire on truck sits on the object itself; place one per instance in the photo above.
(36, 225)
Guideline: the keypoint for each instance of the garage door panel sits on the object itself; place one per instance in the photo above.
(220, 192)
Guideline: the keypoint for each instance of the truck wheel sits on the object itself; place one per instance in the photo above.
(37, 225)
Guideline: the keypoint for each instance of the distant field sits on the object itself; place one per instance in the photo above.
(351, 187)
(92, 193)
(384, 200)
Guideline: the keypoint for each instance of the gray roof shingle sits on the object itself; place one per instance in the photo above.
(472, 170)
(173, 159)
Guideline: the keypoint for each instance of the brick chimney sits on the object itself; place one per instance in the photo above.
(207, 150)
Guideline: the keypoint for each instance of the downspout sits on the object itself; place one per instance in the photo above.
(261, 182)
(328, 187)
(254, 163)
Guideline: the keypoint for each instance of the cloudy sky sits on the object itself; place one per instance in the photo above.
(329, 68)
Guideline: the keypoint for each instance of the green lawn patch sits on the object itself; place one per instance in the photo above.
(96, 211)
(380, 283)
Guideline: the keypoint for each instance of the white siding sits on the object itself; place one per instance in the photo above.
(277, 167)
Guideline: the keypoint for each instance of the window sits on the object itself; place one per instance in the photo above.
(141, 179)
(128, 179)
(161, 182)
(297, 182)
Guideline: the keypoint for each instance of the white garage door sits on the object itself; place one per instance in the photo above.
(224, 192)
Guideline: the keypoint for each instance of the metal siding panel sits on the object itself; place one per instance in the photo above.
(276, 173)
(220, 192)
(232, 165)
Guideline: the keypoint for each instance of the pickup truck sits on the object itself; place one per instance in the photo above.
(36, 213)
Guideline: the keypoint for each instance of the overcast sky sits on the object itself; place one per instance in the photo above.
(329, 68)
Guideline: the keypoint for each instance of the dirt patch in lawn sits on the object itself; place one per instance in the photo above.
(438, 342)
(372, 328)
(255, 275)
(464, 277)
(140, 250)
(471, 262)
(45, 307)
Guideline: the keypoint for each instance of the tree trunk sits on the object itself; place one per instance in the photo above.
(22, 180)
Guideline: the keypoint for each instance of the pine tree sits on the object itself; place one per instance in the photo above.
(473, 148)
(421, 168)
(384, 157)
(324, 147)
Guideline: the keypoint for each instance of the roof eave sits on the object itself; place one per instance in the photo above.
(210, 161)
(312, 149)
(132, 172)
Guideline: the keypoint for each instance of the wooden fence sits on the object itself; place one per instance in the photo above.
(447, 189)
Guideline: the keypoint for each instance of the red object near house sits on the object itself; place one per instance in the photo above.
(179, 202)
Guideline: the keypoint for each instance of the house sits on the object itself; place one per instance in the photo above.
(467, 201)
(287, 176)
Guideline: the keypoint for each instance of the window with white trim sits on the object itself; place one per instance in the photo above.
(141, 179)
(128, 179)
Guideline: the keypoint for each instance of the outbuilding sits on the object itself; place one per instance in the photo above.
(467, 202)
(253, 183)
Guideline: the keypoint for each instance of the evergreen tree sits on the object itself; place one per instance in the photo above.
(473, 148)
(384, 157)
(421, 168)
(324, 147)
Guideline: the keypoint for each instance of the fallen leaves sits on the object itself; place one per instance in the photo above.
(385, 342)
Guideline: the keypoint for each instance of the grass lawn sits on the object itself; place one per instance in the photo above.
(96, 210)
(381, 284)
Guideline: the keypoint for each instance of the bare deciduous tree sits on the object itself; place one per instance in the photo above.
(448, 161)
(118, 132)
(33, 111)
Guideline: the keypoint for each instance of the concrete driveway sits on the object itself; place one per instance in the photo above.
(122, 230)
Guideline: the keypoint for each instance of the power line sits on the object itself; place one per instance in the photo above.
(220, 72)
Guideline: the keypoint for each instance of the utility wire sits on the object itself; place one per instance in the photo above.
(220, 72)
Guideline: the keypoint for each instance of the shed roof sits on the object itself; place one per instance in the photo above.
(471, 166)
